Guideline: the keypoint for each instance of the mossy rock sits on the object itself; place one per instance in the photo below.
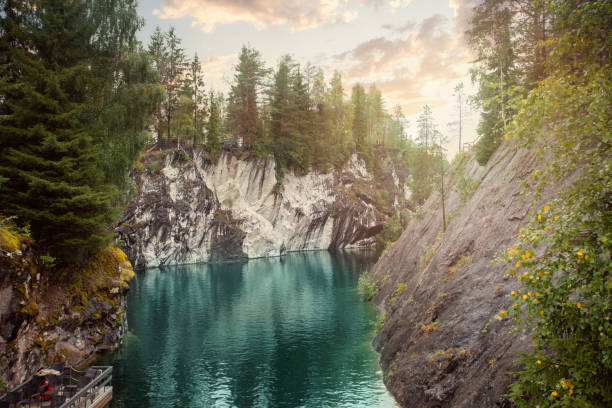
(9, 242)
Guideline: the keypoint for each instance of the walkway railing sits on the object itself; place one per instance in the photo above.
(63, 388)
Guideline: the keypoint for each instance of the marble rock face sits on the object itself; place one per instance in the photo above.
(192, 210)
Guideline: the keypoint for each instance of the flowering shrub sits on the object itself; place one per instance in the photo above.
(562, 257)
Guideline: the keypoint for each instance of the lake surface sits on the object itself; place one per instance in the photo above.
(279, 332)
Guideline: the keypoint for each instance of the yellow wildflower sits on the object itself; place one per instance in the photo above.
(553, 394)
(504, 313)
(524, 297)
(539, 216)
(539, 362)
(578, 305)
(571, 391)
(546, 208)
(527, 254)
(580, 254)
(541, 313)
(518, 265)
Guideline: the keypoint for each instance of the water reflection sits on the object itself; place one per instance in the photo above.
(279, 332)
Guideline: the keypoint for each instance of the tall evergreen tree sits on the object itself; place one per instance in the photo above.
(195, 86)
(159, 57)
(360, 126)
(243, 112)
(214, 125)
(176, 65)
(426, 128)
(67, 67)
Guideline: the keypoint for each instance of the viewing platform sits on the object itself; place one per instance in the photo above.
(63, 387)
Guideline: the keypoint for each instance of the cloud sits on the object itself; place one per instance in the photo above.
(463, 10)
(299, 14)
(413, 66)
(399, 3)
(212, 63)
(401, 29)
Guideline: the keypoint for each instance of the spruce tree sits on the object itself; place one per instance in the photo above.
(60, 64)
(214, 125)
(176, 65)
(243, 112)
(360, 130)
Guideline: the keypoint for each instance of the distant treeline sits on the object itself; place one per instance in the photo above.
(291, 111)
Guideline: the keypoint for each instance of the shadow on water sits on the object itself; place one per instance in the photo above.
(278, 332)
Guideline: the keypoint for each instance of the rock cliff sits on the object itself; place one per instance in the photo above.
(46, 318)
(190, 210)
(440, 289)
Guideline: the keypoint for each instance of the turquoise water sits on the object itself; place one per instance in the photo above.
(280, 332)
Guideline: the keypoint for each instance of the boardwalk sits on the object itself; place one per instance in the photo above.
(61, 387)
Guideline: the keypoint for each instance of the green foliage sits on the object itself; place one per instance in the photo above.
(67, 68)
(366, 288)
(426, 257)
(3, 385)
(401, 287)
(379, 323)
(359, 126)
(464, 184)
(244, 118)
(47, 260)
(214, 127)
(563, 255)
(393, 228)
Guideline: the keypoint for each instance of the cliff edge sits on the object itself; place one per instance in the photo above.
(48, 318)
(439, 290)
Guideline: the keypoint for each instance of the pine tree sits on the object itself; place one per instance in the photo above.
(60, 66)
(159, 57)
(360, 126)
(243, 112)
(176, 65)
(426, 128)
(195, 85)
(279, 97)
(339, 118)
(214, 125)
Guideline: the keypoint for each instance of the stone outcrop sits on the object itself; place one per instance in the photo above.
(46, 318)
(440, 289)
(190, 210)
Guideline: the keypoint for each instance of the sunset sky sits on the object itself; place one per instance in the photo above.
(414, 50)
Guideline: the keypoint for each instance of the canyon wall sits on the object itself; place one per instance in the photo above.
(189, 209)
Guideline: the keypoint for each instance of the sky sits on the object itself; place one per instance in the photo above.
(415, 51)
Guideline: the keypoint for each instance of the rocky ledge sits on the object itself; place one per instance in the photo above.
(190, 210)
(439, 289)
(46, 318)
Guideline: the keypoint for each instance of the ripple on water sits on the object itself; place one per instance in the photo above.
(281, 332)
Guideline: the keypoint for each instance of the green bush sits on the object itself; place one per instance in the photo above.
(563, 256)
(393, 228)
(464, 185)
(366, 288)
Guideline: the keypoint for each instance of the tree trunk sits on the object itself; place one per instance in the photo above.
(442, 190)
